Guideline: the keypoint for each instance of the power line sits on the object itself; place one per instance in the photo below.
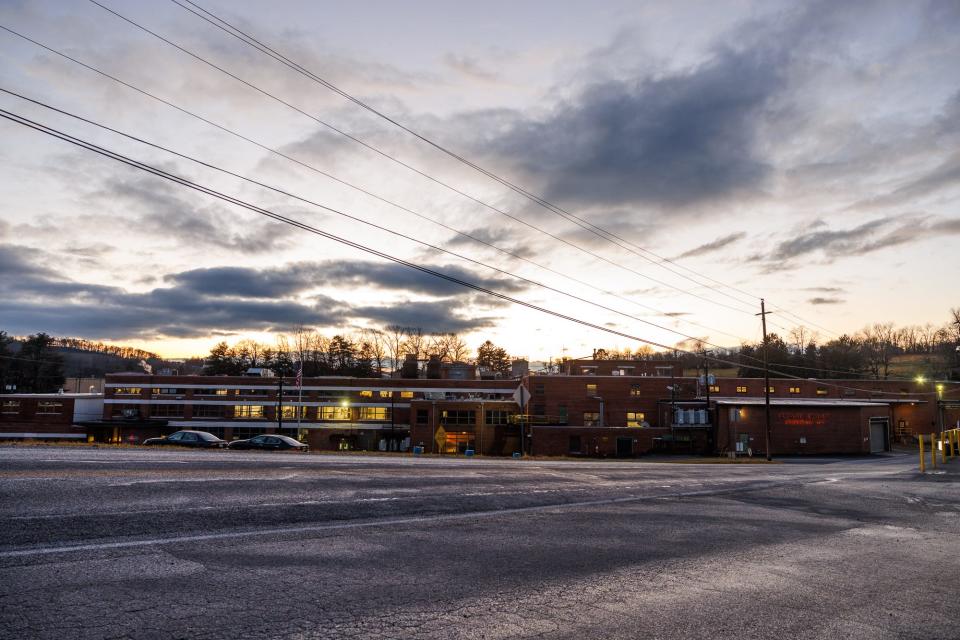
(375, 252)
(369, 193)
(250, 40)
(410, 167)
(346, 215)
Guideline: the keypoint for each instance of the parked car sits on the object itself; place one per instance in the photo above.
(271, 442)
(189, 439)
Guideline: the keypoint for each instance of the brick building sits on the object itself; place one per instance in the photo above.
(47, 416)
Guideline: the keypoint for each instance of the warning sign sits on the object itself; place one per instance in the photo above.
(440, 436)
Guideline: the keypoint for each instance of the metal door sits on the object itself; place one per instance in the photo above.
(878, 435)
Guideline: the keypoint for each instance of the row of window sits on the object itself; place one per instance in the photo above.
(44, 407)
(171, 391)
(256, 412)
(464, 417)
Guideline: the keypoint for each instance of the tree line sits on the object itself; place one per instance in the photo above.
(364, 353)
(36, 367)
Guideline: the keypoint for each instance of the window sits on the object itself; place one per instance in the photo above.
(538, 389)
(562, 418)
(248, 411)
(127, 391)
(591, 419)
(575, 445)
(423, 416)
(664, 372)
(167, 391)
(208, 411)
(406, 394)
(49, 407)
(736, 414)
(591, 389)
(635, 418)
(210, 392)
(741, 389)
(386, 394)
(821, 391)
(588, 371)
(374, 413)
(290, 412)
(366, 393)
(714, 388)
(11, 406)
(635, 390)
(251, 392)
(794, 390)
(771, 390)
(166, 410)
(497, 417)
(335, 413)
(461, 416)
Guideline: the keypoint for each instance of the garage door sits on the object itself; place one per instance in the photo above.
(878, 435)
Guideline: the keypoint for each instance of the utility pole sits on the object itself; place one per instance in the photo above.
(766, 376)
(280, 406)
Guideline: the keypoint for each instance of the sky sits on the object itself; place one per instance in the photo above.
(674, 162)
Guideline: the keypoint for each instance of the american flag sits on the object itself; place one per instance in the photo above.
(299, 375)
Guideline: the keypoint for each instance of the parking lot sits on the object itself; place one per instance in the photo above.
(142, 543)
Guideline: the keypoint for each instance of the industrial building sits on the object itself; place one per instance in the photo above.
(595, 408)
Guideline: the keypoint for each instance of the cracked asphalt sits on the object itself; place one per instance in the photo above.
(127, 543)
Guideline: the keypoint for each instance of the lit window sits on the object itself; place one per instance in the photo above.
(591, 389)
(49, 407)
(741, 389)
(386, 394)
(11, 406)
(591, 419)
(334, 413)
(463, 416)
(794, 390)
(635, 419)
(290, 412)
(406, 394)
(821, 391)
(714, 388)
(127, 391)
(374, 413)
(248, 411)
(366, 394)
(772, 390)
(164, 391)
(635, 390)
(588, 371)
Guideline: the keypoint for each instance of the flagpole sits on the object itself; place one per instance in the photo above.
(299, 395)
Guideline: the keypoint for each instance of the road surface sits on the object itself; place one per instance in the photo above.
(127, 543)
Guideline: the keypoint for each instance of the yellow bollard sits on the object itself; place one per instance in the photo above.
(923, 465)
(933, 453)
(943, 450)
(953, 443)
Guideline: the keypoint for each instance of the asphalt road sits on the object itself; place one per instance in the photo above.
(98, 543)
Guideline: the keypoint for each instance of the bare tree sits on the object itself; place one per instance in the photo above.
(394, 338)
(415, 342)
(459, 351)
(377, 347)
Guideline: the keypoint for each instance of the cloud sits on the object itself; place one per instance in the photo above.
(224, 300)
(716, 245)
(819, 300)
(469, 67)
(305, 276)
(675, 139)
(161, 209)
(442, 316)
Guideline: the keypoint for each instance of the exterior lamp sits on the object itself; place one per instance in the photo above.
(921, 379)
(939, 390)
(344, 403)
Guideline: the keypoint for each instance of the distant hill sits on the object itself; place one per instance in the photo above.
(86, 359)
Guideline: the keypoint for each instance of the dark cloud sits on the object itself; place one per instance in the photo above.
(305, 276)
(716, 245)
(439, 316)
(220, 300)
(825, 289)
(819, 300)
(676, 139)
(865, 238)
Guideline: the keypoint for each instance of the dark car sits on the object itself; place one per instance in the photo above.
(266, 442)
(189, 439)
